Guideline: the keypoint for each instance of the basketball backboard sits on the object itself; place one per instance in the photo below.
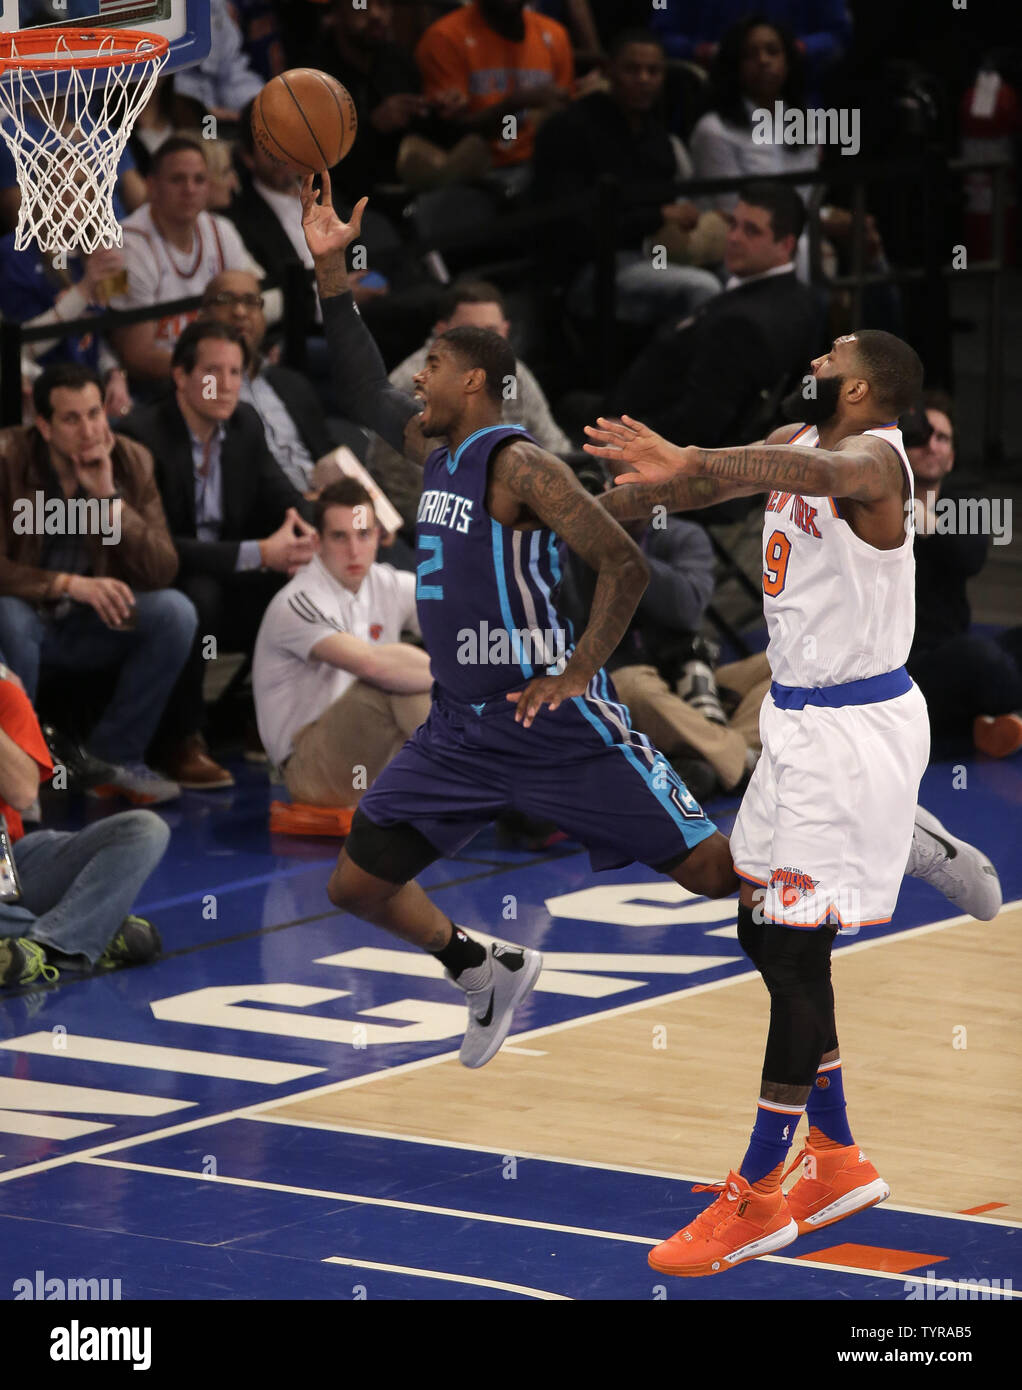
(184, 23)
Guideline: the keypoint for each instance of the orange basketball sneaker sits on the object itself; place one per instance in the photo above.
(740, 1225)
(834, 1184)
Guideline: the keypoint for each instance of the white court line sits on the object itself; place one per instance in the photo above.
(450, 1278)
(583, 1163)
(523, 1051)
(330, 1088)
(361, 1200)
(460, 1214)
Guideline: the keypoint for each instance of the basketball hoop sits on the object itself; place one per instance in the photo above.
(65, 152)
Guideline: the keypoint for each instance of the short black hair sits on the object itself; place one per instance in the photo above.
(470, 292)
(174, 145)
(346, 492)
(246, 140)
(186, 349)
(481, 347)
(892, 368)
(624, 37)
(787, 210)
(72, 376)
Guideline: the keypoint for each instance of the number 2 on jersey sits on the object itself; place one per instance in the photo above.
(775, 563)
(430, 566)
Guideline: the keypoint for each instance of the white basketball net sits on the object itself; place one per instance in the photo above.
(68, 143)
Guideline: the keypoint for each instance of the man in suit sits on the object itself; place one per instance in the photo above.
(292, 415)
(221, 490)
(701, 381)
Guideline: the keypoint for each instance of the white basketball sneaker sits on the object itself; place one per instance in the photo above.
(955, 868)
(514, 971)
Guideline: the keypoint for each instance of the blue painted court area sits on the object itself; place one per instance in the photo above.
(121, 1152)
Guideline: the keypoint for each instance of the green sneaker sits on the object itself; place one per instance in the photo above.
(23, 961)
(137, 942)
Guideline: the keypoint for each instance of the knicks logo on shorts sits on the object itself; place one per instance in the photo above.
(793, 884)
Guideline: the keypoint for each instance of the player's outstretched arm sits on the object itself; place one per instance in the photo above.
(861, 467)
(361, 388)
(551, 493)
(659, 477)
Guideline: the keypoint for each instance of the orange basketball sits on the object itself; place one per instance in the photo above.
(305, 119)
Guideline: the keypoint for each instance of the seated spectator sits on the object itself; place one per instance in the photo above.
(971, 683)
(757, 64)
(492, 59)
(467, 304)
(652, 668)
(221, 489)
(73, 911)
(172, 249)
(36, 289)
(223, 82)
(336, 690)
(153, 126)
(619, 133)
(698, 29)
(700, 381)
(293, 419)
(577, 17)
(73, 600)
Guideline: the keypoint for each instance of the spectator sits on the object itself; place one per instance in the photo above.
(337, 692)
(293, 419)
(76, 889)
(153, 126)
(971, 683)
(37, 289)
(757, 64)
(221, 488)
(651, 664)
(259, 23)
(172, 248)
(701, 381)
(492, 59)
(577, 17)
(74, 601)
(619, 133)
(224, 81)
(467, 304)
(698, 29)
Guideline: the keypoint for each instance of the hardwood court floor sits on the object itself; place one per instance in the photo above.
(930, 1040)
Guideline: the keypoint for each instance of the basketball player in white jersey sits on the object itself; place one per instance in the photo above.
(829, 821)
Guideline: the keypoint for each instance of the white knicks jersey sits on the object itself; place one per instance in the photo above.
(837, 609)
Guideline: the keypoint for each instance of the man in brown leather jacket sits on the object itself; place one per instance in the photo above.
(86, 564)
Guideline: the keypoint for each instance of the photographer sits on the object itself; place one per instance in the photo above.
(970, 682)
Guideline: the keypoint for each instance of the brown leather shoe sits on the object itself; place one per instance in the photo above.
(191, 766)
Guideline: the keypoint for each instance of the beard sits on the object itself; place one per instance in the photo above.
(814, 409)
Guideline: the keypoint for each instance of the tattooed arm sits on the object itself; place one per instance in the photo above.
(526, 478)
(861, 467)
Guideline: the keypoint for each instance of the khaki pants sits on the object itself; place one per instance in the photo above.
(675, 727)
(363, 729)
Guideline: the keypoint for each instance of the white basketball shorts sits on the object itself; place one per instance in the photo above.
(825, 826)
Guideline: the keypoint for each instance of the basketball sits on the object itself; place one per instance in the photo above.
(304, 119)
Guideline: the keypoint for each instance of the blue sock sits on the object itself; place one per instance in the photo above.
(825, 1109)
(770, 1140)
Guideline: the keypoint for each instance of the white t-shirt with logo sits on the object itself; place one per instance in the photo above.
(159, 272)
(291, 688)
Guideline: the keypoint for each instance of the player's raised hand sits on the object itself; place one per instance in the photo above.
(544, 690)
(651, 458)
(324, 230)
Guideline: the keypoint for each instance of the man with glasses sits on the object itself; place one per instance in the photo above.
(293, 418)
